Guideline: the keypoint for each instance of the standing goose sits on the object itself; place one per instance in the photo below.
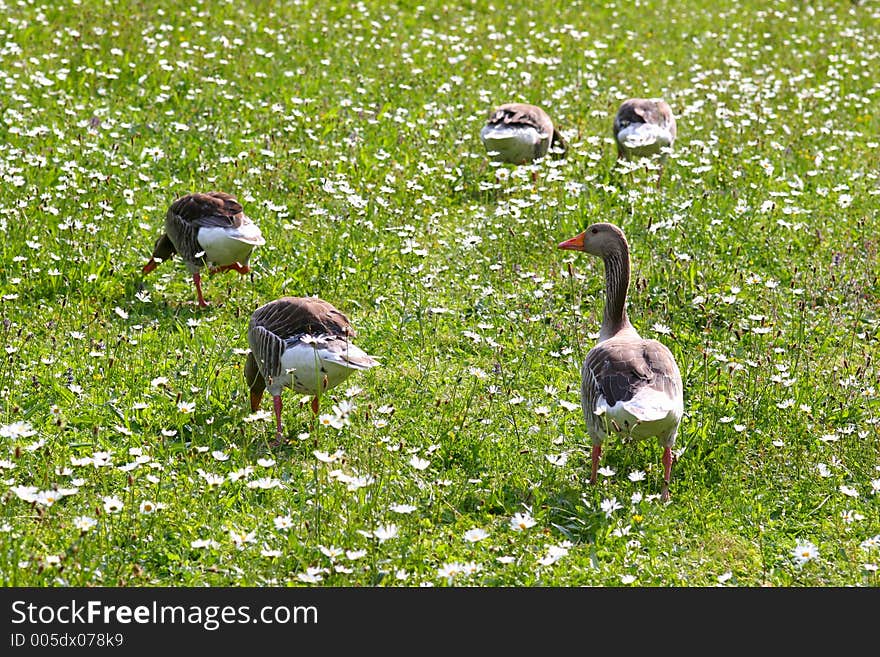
(205, 229)
(642, 127)
(518, 133)
(628, 384)
(301, 343)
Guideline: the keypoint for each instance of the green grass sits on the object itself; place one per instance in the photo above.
(350, 134)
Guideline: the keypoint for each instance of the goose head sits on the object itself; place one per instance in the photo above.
(600, 240)
(162, 250)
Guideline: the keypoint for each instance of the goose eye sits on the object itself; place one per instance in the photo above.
(594, 231)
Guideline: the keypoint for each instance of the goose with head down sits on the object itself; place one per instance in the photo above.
(629, 385)
(207, 229)
(643, 127)
(518, 133)
(302, 343)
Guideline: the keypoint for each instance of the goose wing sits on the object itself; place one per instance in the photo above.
(522, 114)
(210, 209)
(619, 370)
(289, 317)
(274, 325)
(640, 110)
(266, 349)
(194, 211)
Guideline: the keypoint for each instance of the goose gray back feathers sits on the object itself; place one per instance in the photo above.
(207, 228)
(649, 111)
(276, 323)
(529, 116)
(615, 370)
(301, 343)
(189, 213)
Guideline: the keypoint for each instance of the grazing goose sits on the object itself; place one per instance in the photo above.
(518, 133)
(301, 343)
(642, 127)
(205, 229)
(628, 384)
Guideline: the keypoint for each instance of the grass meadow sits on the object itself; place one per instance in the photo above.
(129, 455)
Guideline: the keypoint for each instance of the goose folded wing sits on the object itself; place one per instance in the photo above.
(665, 376)
(655, 113)
(290, 317)
(196, 207)
(627, 114)
(518, 115)
(618, 372)
(267, 349)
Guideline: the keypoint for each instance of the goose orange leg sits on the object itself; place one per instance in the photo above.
(197, 280)
(316, 400)
(595, 455)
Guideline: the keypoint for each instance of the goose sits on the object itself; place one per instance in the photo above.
(642, 127)
(302, 343)
(209, 228)
(518, 133)
(629, 385)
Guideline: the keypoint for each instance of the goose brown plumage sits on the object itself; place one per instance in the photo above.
(302, 343)
(207, 229)
(643, 127)
(519, 133)
(629, 385)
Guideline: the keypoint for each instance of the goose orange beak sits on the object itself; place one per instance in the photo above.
(150, 266)
(256, 398)
(576, 243)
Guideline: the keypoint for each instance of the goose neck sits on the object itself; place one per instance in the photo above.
(617, 273)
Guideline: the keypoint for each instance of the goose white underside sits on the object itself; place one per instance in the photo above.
(512, 143)
(644, 139)
(304, 366)
(224, 246)
(648, 413)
